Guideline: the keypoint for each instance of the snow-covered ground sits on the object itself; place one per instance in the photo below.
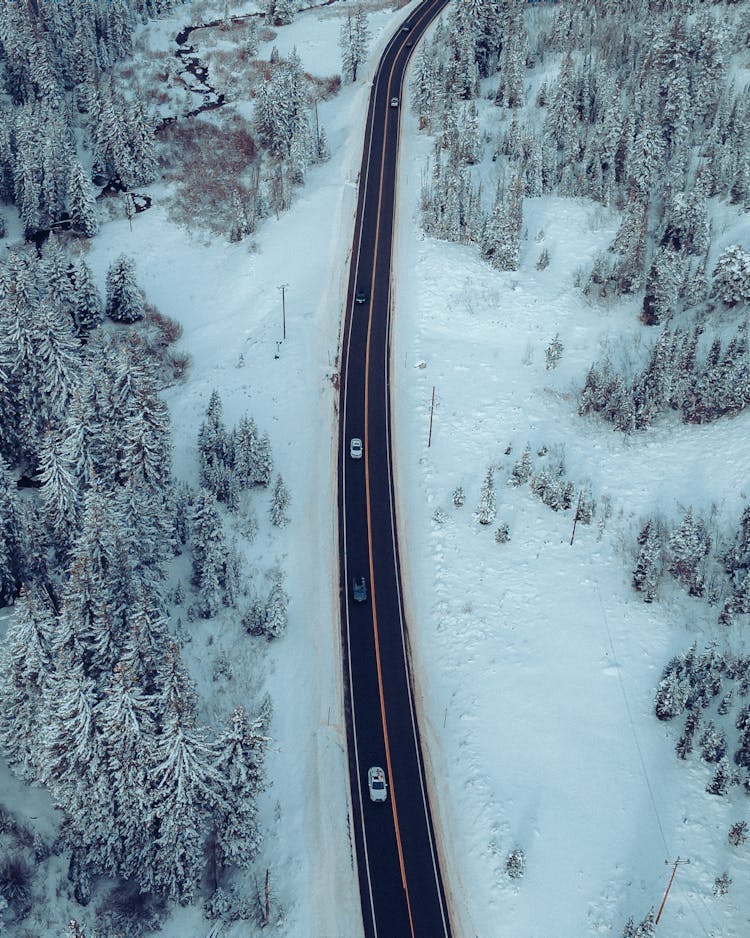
(535, 661)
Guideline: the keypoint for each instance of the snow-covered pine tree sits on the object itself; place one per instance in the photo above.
(126, 717)
(721, 779)
(647, 570)
(184, 783)
(671, 696)
(521, 472)
(423, 86)
(26, 666)
(485, 512)
(688, 546)
(56, 275)
(124, 298)
(87, 303)
(245, 448)
(275, 616)
(59, 492)
(731, 276)
(80, 203)
(279, 503)
(239, 765)
(353, 39)
(57, 365)
(11, 552)
(663, 286)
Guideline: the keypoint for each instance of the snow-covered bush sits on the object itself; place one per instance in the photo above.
(502, 534)
(515, 863)
(553, 353)
(722, 884)
(737, 833)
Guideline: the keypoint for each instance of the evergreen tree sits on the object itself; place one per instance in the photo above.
(87, 303)
(731, 276)
(647, 570)
(279, 503)
(671, 696)
(124, 299)
(239, 765)
(126, 717)
(11, 552)
(485, 513)
(184, 783)
(275, 616)
(688, 545)
(80, 202)
(521, 472)
(353, 39)
(59, 493)
(214, 445)
(57, 365)
(26, 667)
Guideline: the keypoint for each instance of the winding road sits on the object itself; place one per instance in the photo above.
(397, 856)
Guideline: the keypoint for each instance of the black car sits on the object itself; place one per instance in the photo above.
(359, 589)
(360, 296)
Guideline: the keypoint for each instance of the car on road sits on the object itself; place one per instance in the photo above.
(360, 296)
(359, 589)
(406, 27)
(409, 43)
(355, 447)
(394, 102)
(377, 784)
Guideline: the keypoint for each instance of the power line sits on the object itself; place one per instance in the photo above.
(632, 723)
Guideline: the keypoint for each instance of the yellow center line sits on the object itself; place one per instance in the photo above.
(384, 720)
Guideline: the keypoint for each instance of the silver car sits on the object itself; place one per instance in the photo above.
(377, 784)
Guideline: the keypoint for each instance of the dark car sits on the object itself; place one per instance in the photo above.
(359, 589)
(360, 296)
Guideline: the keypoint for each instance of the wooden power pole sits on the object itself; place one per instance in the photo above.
(432, 408)
(669, 886)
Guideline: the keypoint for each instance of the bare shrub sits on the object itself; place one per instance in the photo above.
(167, 329)
(737, 833)
(127, 911)
(722, 884)
(208, 198)
(179, 362)
(15, 884)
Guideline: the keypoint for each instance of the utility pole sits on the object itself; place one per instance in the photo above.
(432, 408)
(577, 515)
(283, 309)
(129, 208)
(669, 886)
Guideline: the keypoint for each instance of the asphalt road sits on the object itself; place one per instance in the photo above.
(399, 875)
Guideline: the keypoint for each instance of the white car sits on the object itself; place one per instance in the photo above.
(377, 784)
(394, 102)
(355, 447)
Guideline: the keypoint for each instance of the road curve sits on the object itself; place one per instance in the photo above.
(401, 888)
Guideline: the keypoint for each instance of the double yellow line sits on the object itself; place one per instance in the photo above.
(394, 808)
